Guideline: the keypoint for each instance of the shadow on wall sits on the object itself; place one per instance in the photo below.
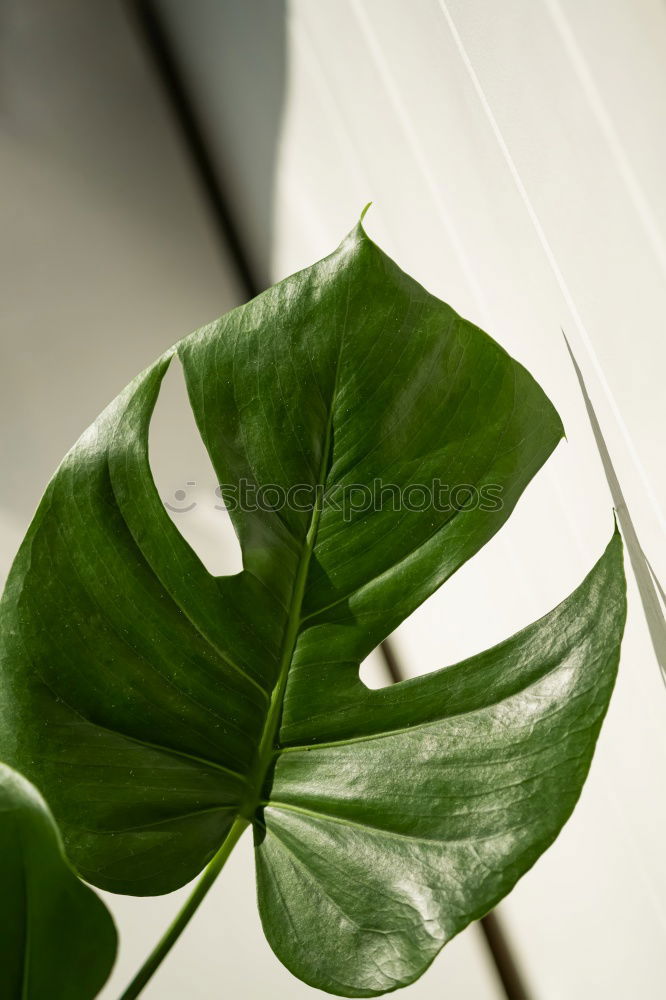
(106, 253)
(232, 60)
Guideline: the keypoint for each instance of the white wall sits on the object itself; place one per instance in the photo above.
(515, 154)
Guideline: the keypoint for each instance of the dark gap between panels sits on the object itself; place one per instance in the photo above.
(155, 41)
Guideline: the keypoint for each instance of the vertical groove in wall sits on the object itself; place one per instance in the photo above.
(156, 42)
(505, 963)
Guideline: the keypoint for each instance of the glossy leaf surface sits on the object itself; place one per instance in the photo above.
(155, 703)
(57, 938)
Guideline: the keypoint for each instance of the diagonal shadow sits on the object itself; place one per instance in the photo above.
(226, 85)
(649, 587)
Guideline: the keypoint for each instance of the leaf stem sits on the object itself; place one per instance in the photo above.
(183, 917)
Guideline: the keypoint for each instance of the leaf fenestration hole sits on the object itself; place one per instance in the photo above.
(373, 672)
(186, 481)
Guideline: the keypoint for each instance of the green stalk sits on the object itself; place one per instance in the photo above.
(183, 917)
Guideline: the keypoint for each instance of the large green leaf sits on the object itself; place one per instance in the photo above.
(156, 704)
(57, 939)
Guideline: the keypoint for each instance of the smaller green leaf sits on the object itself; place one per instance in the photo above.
(57, 938)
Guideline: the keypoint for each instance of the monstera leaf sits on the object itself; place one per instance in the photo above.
(57, 938)
(161, 708)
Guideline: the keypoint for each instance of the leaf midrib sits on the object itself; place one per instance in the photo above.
(267, 748)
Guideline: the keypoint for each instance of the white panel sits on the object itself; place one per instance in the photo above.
(445, 153)
(577, 176)
(515, 154)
